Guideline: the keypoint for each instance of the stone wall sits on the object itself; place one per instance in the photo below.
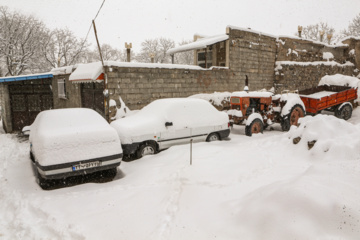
(252, 54)
(301, 63)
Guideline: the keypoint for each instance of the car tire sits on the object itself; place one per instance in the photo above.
(256, 126)
(146, 149)
(213, 137)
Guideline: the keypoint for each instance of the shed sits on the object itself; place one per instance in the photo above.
(23, 97)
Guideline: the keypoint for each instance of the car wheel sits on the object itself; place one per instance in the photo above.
(146, 149)
(213, 137)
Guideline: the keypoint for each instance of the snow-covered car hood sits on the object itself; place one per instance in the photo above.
(69, 135)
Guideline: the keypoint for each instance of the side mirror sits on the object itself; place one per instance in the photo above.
(167, 124)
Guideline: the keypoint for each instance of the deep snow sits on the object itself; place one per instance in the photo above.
(260, 187)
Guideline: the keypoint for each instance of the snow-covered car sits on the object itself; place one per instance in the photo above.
(167, 122)
(70, 142)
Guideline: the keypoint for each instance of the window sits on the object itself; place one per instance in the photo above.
(201, 59)
(61, 88)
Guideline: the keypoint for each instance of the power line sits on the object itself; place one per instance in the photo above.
(99, 9)
(87, 35)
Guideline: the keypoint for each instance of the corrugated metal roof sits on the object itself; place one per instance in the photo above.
(199, 44)
(26, 77)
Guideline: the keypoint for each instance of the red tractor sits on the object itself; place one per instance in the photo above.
(258, 110)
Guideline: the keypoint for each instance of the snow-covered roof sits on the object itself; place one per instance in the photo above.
(26, 77)
(92, 71)
(63, 70)
(199, 44)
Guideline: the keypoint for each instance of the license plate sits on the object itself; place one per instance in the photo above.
(82, 166)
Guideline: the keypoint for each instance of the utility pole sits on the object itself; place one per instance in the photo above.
(106, 91)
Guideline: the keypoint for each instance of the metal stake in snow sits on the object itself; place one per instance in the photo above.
(191, 141)
(191, 151)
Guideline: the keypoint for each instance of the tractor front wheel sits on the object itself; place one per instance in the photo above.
(256, 126)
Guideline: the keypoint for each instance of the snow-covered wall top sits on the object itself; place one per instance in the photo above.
(199, 44)
(251, 30)
(91, 71)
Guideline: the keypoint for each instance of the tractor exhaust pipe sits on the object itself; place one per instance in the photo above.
(246, 88)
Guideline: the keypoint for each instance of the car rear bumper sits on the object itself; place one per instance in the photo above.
(68, 169)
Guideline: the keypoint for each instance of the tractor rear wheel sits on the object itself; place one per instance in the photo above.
(256, 126)
(292, 119)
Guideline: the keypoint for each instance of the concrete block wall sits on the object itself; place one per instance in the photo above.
(252, 54)
(73, 94)
(140, 86)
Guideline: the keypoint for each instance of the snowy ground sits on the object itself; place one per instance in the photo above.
(263, 187)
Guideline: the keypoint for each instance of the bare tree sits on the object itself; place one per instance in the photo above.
(108, 53)
(313, 32)
(158, 47)
(353, 28)
(186, 57)
(20, 40)
(62, 48)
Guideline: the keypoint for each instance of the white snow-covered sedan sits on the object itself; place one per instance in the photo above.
(167, 122)
(70, 142)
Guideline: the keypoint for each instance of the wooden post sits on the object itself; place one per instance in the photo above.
(172, 58)
(106, 91)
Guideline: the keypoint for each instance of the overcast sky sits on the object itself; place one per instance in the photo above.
(136, 20)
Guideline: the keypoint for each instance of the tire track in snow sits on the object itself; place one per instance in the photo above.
(172, 206)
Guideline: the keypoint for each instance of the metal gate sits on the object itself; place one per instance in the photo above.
(92, 97)
(27, 99)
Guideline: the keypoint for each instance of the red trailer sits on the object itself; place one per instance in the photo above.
(338, 99)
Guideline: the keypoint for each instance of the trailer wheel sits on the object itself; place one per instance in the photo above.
(344, 111)
(256, 126)
(296, 112)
